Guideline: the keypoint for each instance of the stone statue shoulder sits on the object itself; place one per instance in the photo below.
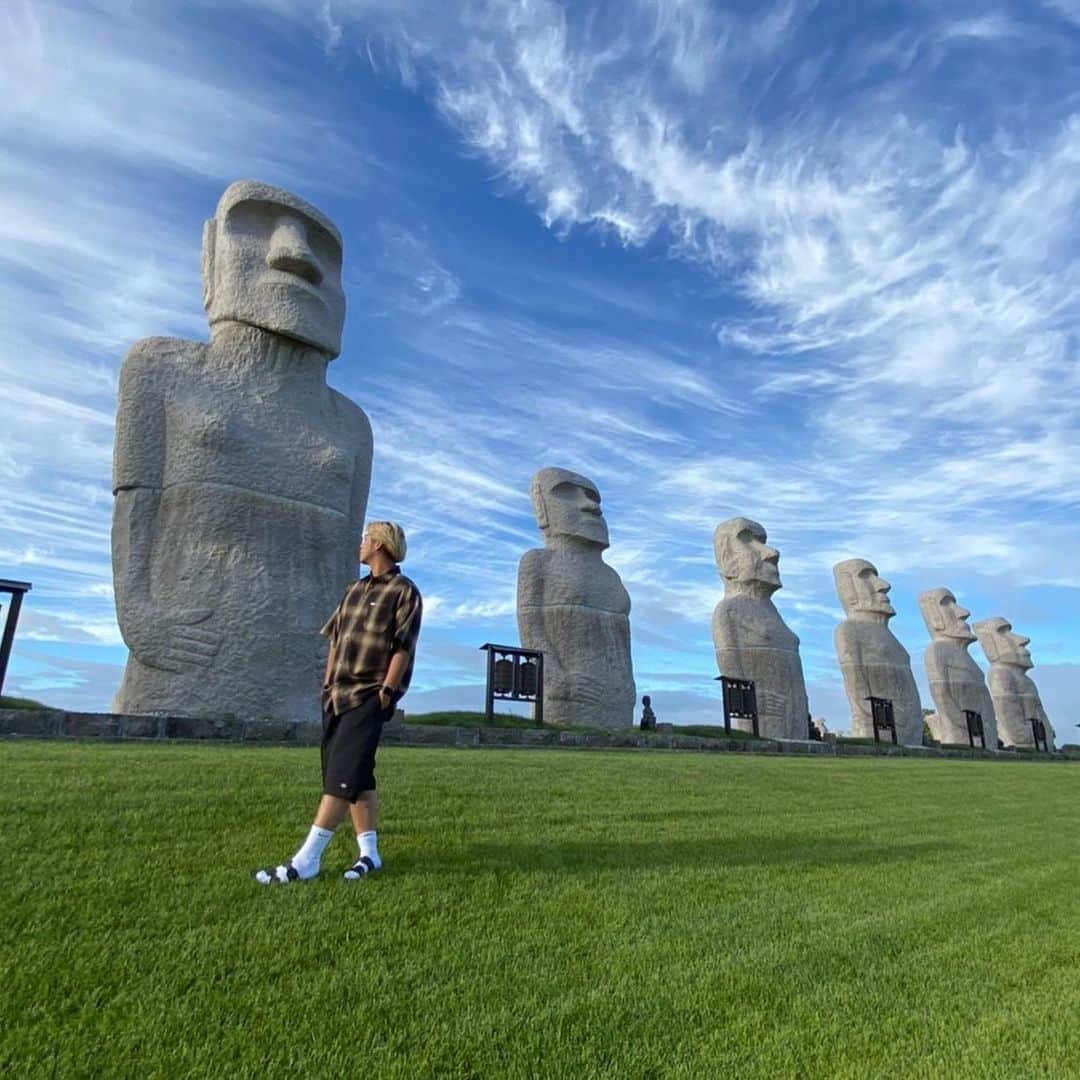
(935, 658)
(949, 660)
(531, 578)
(748, 622)
(1006, 679)
(156, 359)
(549, 577)
(148, 375)
(846, 638)
(151, 366)
(352, 417)
(869, 643)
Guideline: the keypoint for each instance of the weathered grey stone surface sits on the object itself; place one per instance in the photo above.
(752, 641)
(1015, 696)
(573, 607)
(872, 660)
(956, 681)
(240, 478)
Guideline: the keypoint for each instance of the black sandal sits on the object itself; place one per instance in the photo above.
(291, 874)
(360, 868)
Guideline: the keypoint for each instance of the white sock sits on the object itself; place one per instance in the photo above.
(369, 846)
(307, 858)
(305, 863)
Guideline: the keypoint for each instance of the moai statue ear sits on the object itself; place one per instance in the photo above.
(987, 633)
(209, 239)
(722, 548)
(930, 605)
(539, 505)
(844, 578)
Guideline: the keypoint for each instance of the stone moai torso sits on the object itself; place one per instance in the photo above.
(573, 607)
(1015, 696)
(956, 681)
(240, 478)
(872, 660)
(751, 640)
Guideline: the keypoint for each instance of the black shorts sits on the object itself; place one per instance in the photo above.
(349, 743)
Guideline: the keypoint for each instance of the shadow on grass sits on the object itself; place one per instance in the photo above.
(804, 852)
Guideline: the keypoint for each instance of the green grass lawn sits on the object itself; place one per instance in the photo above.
(542, 913)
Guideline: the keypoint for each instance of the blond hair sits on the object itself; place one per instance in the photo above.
(392, 537)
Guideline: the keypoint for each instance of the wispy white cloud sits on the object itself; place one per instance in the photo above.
(887, 245)
(147, 90)
(989, 27)
(1070, 9)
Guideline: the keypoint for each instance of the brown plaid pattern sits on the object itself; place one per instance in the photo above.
(377, 617)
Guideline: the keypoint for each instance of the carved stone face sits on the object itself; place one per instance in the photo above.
(567, 504)
(944, 617)
(743, 556)
(861, 589)
(273, 261)
(1001, 645)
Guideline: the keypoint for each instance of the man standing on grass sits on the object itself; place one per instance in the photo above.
(372, 636)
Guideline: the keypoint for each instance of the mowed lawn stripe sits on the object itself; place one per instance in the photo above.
(542, 913)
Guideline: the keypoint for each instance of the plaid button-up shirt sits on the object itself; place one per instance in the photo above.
(377, 617)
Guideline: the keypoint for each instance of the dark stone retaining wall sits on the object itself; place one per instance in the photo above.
(54, 724)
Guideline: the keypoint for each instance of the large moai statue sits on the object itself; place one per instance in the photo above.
(1016, 698)
(956, 681)
(872, 660)
(573, 607)
(240, 478)
(752, 641)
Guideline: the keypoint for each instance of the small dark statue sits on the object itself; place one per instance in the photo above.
(648, 717)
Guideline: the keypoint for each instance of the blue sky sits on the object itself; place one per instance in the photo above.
(812, 263)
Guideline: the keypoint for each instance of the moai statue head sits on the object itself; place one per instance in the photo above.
(944, 617)
(567, 505)
(271, 260)
(862, 591)
(1001, 645)
(746, 563)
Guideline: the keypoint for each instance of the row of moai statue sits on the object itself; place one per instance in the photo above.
(574, 608)
(241, 481)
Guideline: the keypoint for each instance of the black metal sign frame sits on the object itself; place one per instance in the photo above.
(975, 728)
(881, 712)
(17, 589)
(1038, 733)
(514, 674)
(740, 701)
